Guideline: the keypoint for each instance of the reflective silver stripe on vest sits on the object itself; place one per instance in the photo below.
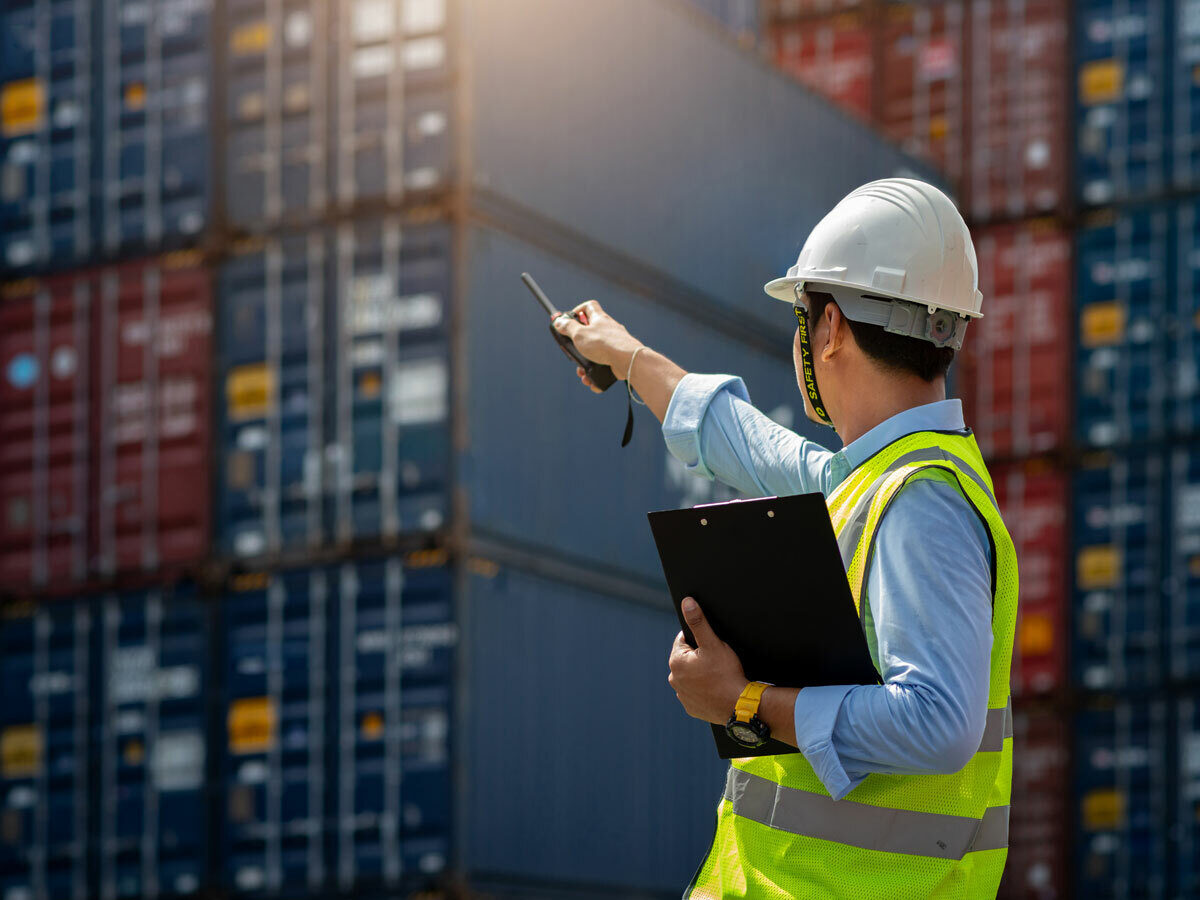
(861, 825)
(999, 726)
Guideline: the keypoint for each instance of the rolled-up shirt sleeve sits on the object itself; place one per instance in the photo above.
(712, 428)
(930, 595)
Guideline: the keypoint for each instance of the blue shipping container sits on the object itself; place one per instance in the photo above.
(1185, 324)
(1121, 790)
(1121, 100)
(1119, 544)
(45, 705)
(363, 653)
(1123, 302)
(582, 767)
(45, 132)
(152, 831)
(1185, 95)
(1182, 594)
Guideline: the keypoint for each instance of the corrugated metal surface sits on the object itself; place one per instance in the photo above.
(1122, 301)
(1016, 359)
(1120, 100)
(1186, 794)
(45, 773)
(1120, 774)
(605, 741)
(832, 56)
(153, 143)
(152, 827)
(335, 400)
(1037, 830)
(1185, 330)
(1017, 120)
(46, 337)
(1033, 500)
(343, 99)
(1119, 544)
(337, 743)
(1182, 596)
(45, 132)
(923, 83)
(593, 506)
(151, 422)
(732, 168)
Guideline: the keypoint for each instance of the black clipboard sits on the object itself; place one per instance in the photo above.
(768, 575)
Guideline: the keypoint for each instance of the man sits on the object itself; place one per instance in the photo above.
(901, 789)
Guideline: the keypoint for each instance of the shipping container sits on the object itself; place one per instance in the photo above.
(106, 422)
(153, 140)
(1037, 830)
(923, 82)
(45, 767)
(1123, 302)
(46, 336)
(150, 732)
(1121, 792)
(1185, 844)
(833, 56)
(1119, 544)
(1014, 369)
(1120, 100)
(603, 726)
(1033, 501)
(1018, 112)
(1184, 333)
(45, 132)
(337, 707)
(1182, 584)
(1185, 95)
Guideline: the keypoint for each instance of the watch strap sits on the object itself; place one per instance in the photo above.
(747, 703)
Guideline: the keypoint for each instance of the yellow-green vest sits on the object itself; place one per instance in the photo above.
(779, 833)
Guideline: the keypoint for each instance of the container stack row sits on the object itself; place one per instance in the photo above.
(321, 573)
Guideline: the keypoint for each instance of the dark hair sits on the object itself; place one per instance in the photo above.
(892, 351)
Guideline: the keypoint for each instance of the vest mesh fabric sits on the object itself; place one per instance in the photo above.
(754, 860)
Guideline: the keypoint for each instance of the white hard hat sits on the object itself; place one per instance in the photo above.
(897, 239)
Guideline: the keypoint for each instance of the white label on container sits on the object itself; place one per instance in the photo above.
(423, 179)
(63, 361)
(250, 878)
(373, 62)
(1188, 498)
(177, 761)
(431, 123)
(375, 307)
(21, 797)
(424, 15)
(186, 883)
(252, 772)
(249, 543)
(431, 519)
(418, 392)
(20, 253)
(297, 29)
(424, 53)
(129, 673)
(49, 683)
(1189, 757)
(374, 20)
(367, 353)
(130, 721)
(252, 438)
(67, 114)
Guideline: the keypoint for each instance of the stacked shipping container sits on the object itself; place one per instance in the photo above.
(298, 228)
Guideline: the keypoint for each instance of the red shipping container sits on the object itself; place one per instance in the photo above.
(105, 423)
(1033, 500)
(152, 426)
(1014, 373)
(1037, 827)
(1020, 64)
(832, 56)
(45, 334)
(922, 86)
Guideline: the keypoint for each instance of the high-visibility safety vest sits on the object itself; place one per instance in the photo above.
(779, 833)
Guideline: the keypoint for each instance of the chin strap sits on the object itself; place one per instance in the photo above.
(806, 365)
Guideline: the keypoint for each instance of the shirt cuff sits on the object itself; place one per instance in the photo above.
(685, 415)
(816, 714)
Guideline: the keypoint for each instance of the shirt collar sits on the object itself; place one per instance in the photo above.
(943, 415)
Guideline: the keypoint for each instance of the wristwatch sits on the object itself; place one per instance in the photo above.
(744, 726)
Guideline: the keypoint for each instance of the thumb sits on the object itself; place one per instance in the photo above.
(564, 324)
(701, 630)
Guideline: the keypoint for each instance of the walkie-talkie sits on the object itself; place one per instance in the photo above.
(601, 376)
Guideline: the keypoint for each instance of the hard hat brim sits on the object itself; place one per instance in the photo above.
(784, 289)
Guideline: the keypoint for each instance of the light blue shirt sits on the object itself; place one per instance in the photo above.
(929, 587)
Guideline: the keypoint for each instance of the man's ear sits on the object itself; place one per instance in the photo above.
(837, 326)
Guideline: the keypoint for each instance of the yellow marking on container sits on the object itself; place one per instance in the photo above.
(369, 385)
(253, 37)
(1098, 567)
(1035, 635)
(134, 753)
(251, 725)
(484, 567)
(22, 107)
(1101, 324)
(135, 96)
(372, 726)
(248, 391)
(425, 559)
(1101, 81)
(21, 751)
(1103, 809)
(939, 127)
(251, 581)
